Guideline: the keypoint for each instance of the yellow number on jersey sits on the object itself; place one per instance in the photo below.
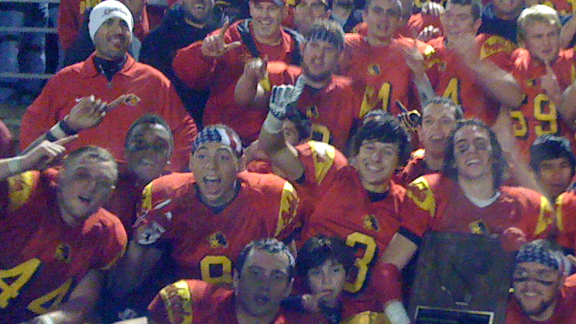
(550, 118)
(370, 101)
(544, 112)
(320, 133)
(357, 240)
(23, 272)
(38, 306)
(453, 91)
(521, 127)
(211, 261)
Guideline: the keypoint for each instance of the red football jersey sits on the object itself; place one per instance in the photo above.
(220, 76)
(331, 109)
(415, 168)
(198, 302)
(205, 241)
(451, 77)
(538, 115)
(369, 67)
(564, 311)
(346, 211)
(565, 220)
(436, 203)
(321, 165)
(41, 257)
(564, 7)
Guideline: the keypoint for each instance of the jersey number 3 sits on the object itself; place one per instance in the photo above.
(359, 242)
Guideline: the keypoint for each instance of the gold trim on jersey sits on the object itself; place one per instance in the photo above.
(20, 189)
(323, 155)
(367, 317)
(288, 207)
(545, 218)
(559, 213)
(181, 292)
(425, 200)
(496, 44)
(147, 197)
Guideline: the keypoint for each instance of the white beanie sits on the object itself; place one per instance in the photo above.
(106, 10)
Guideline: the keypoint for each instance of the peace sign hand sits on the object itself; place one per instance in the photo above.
(215, 46)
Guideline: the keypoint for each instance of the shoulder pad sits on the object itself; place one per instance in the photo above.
(20, 189)
(422, 195)
(323, 155)
(178, 302)
(496, 44)
(288, 208)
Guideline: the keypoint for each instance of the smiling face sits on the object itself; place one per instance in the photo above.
(266, 20)
(84, 185)
(542, 39)
(437, 123)
(148, 151)
(112, 39)
(215, 167)
(376, 162)
(473, 153)
(198, 10)
(328, 279)
(555, 176)
(263, 283)
(537, 288)
(319, 60)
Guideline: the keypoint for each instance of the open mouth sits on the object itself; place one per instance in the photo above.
(212, 183)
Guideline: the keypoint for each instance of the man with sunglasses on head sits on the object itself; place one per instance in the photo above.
(542, 293)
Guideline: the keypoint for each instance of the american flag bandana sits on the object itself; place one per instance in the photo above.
(219, 134)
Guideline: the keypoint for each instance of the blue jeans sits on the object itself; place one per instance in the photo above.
(22, 52)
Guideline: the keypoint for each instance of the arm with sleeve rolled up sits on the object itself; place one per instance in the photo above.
(498, 83)
(42, 153)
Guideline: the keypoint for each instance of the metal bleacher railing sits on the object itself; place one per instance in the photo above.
(46, 30)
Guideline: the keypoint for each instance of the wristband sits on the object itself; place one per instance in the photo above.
(15, 165)
(272, 124)
(396, 313)
(60, 130)
(45, 319)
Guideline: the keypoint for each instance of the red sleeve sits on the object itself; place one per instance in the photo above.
(385, 283)
(193, 68)
(419, 207)
(288, 219)
(565, 220)
(112, 243)
(68, 22)
(537, 215)
(40, 116)
(183, 127)
(7, 145)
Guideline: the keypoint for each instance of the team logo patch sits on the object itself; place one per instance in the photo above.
(374, 69)
(63, 252)
(479, 227)
(217, 240)
(531, 82)
(312, 112)
(371, 223)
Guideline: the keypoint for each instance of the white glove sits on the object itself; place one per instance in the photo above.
(282, 100)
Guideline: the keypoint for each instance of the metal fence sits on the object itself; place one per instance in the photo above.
(45, 30)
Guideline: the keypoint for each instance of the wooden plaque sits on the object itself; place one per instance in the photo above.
(460, 278)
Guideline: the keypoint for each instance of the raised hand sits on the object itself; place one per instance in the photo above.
(410, 120)
(256, 68)
(215, 46)
(414, 59)
(46, 152)
(428, 33)
(285, 96)
(549, 83)
(88, 113)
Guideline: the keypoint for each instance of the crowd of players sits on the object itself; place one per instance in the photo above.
(266, 174)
